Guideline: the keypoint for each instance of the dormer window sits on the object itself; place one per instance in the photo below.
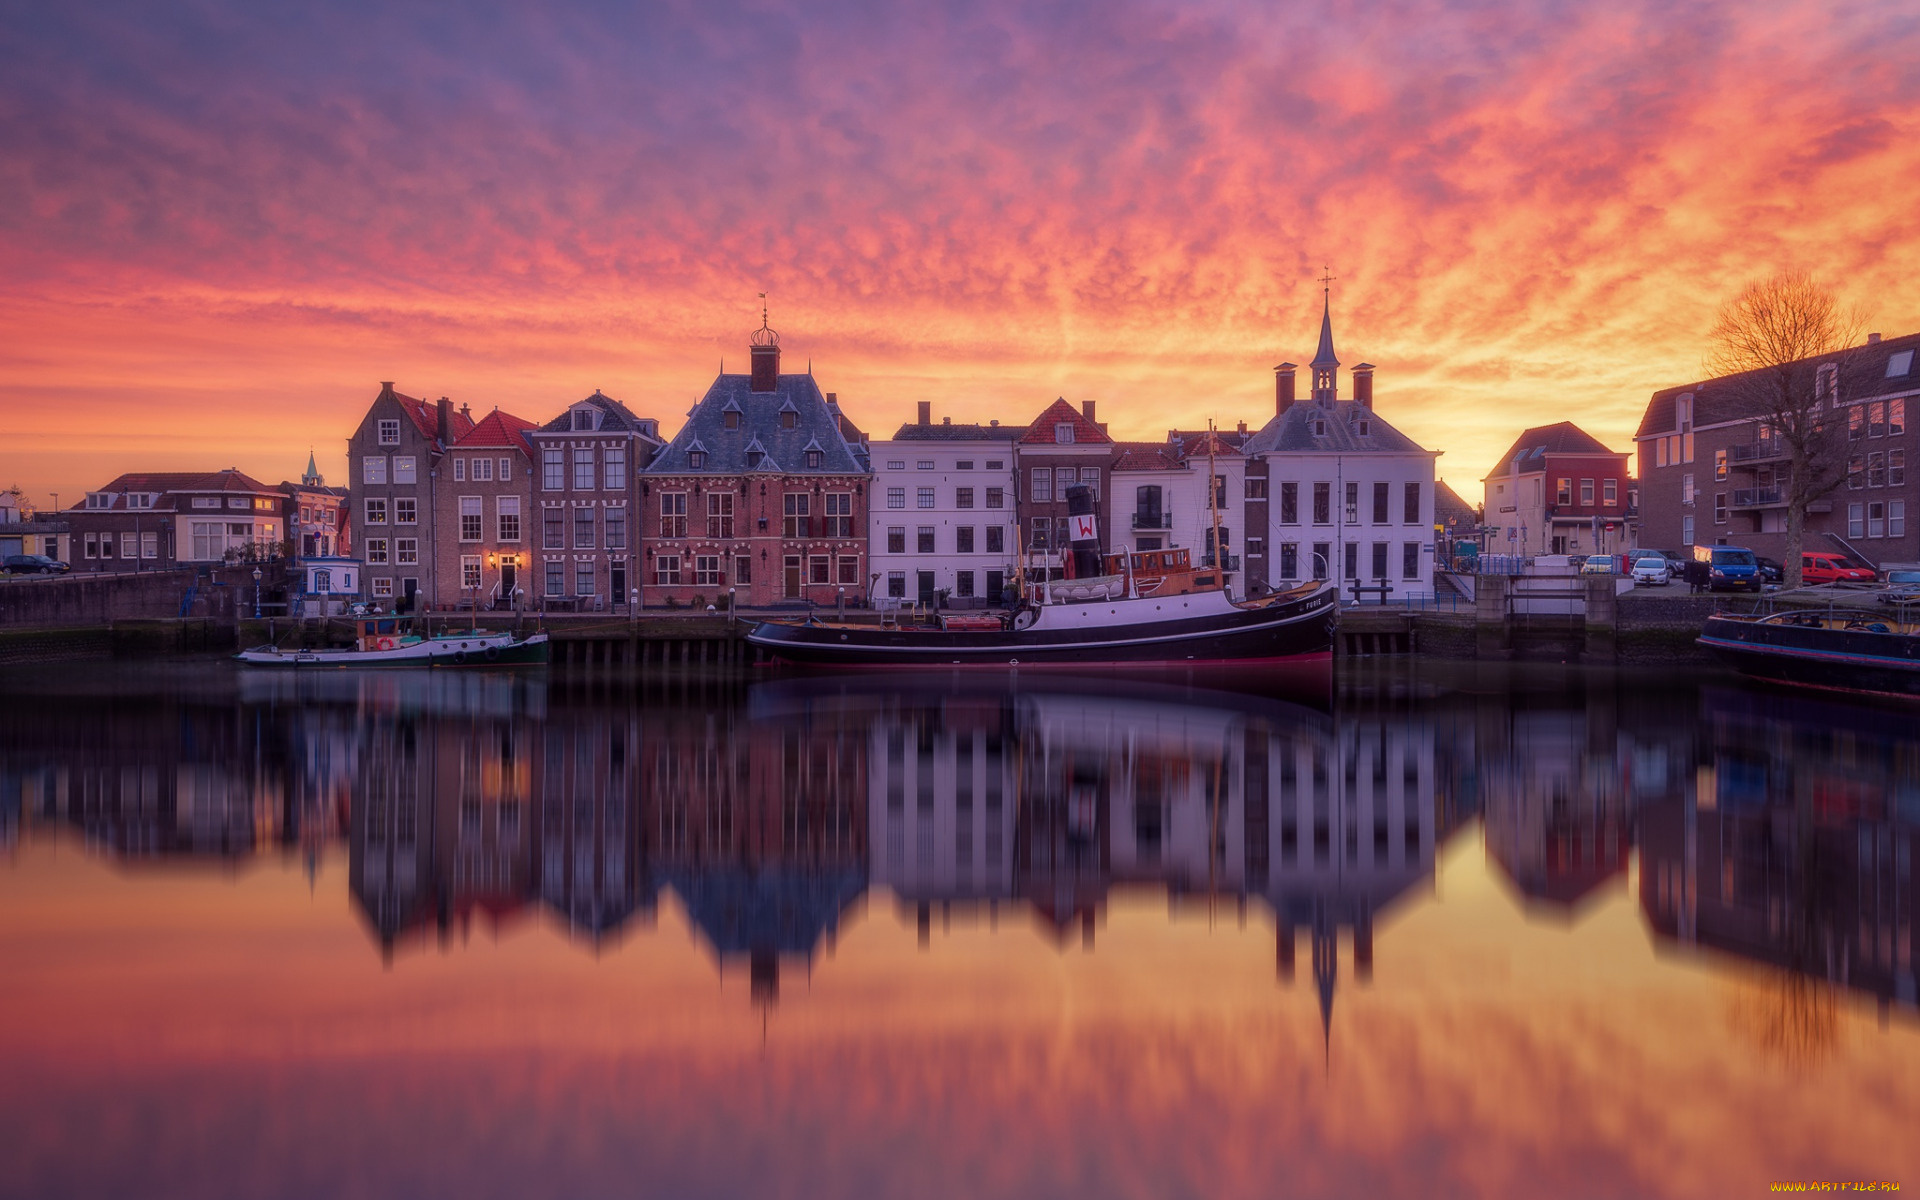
(1063, 434)
(1899, 364)
(1319, 427)
(789, 419)
(99, 500)
(696, 459)
(733, 418)
(584, 419)
(753, 459)
(389, 433)
(1365, 429)
(813, 460)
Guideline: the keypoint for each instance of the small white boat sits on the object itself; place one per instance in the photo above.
(391, 642)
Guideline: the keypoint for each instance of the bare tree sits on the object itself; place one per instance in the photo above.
(1781, 352)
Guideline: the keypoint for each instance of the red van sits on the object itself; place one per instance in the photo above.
(1820, 567)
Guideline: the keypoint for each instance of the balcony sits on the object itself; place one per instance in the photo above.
(1766, 497)
(1232, 563)
(1764, 450)
(1153, 520)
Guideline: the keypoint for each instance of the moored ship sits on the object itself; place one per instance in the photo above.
(1839, 649)
(392, 642)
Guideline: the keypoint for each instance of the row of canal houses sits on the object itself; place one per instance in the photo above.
(770, 494)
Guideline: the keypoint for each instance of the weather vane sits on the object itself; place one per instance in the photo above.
(1326, 281)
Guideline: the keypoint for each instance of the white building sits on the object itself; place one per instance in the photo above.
(1337, 491)
(942, 513)
(1160, 498)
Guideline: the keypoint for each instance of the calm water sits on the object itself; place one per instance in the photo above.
(1451, 933)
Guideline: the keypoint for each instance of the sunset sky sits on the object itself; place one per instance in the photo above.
(222, 224)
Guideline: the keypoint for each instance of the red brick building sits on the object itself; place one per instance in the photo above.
(1063, 446)
(1559, 490)
(156, 520)
(482, 507)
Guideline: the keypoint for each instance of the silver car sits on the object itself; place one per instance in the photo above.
(1651, 569)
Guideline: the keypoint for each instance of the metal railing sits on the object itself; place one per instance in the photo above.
(1764, 497)
(1757, 451)
(1232, 564)
(1153, 520)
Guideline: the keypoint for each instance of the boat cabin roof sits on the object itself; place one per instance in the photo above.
(382, 626)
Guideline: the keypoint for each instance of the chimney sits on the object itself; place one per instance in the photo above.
(833, 398)
(1363, 385)
(386, 385)
(1873, 339)
(445, 420)
(468, 413)
(1086, 408)
(765, 355)
(995, 423)
(946, 420)
(1243, 427)
(1283, 388)
(926, 412)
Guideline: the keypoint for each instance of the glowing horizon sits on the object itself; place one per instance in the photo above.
(224, 227)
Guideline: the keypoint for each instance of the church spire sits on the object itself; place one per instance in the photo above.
(1326, 364)
(313, 477)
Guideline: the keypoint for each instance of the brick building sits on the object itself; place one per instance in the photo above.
(158, 520)
(1712, 474)
(587, 493)
(1558, 490)
(1060, 448)
(317, 516)
(763, 492)
(393, 459)
(483, 502)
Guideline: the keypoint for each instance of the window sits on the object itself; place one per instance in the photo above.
(1896, 468)
(789, 419)
(720, 515)
(794, 519)
(1353, 503)
(377, 551)
(1856, 472)
(1856, 422)
(406, 551)
(1410, 560)
(742, 570)
(1380, 502)
(1856, 520)
(1410, 514)
(376, 512)
(389, 433)
(1659, 452)
(373, 469)
(553, 528)
(1686, 447)
(923, 497)
(582, 468)
(1090, 479)
(963, 584)
(817, 568)
(469, 572)
(1256, 547)
(198, 501)
(1563, 491)
(1322, 559)
(556, 578)
(1876, 519)
(923, 541)
(616, 523)
(1352, 563)
(896, 497)
(1686, 530)
(924, 464)
(965, 464)
(406, 511)
(1040, 530)
(1289, 560)
(1897, 415)
(1686, 489)
(506, 515)
(1876, 469)
(996, 497)
(896, 539)
(996, 464)
(1379, 560)
(696, 459)
(1289, 502)
(896, 464)
(1063, 434)
(233, 502)
(963, 540)
(666, 569)
(552, 468)
(849, 570)
(963, 497)
(1256, 489)
(1042, 483)
(583, 538)
(1896, 518)
(1719, 508)
(459, 470)
(1610, 491)
(813, 459)
(583, 579)
(1586, 493)
(732, 419)
(897, 584)
(613, 467)
(1323, 504)
(403, 469)
(840, 514)
(673, 514)
(383, 588)
(996, 539)
(470, 519)
(506, 469)
(706, 570)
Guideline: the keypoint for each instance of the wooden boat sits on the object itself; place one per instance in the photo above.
(392, 642)
(1839, 649)
(1144, 608)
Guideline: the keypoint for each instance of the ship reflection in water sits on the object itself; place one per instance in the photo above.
(1769, 840)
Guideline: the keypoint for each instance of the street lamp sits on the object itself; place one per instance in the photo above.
(493, 562)
(256, 593)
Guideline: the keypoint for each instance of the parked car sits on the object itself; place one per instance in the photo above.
(1599, 564)
(1676, 561)
(1729, 568)
(1771, 569)
(1817, 566)
(1651, 569)
(1903, 584)
(33, 564)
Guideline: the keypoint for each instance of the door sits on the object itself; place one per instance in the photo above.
(509, 579)
(617, 574)
(409, 592)
(793, 584)
(925, 586)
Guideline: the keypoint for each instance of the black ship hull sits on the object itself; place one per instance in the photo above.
(1871, 658)
(1290, 631)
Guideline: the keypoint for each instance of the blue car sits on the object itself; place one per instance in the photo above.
(1729, 568)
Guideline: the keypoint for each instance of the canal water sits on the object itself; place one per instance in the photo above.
(1435, 932)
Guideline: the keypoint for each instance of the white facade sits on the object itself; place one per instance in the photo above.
(1358, 514)
(1185, 510)
(941, 517)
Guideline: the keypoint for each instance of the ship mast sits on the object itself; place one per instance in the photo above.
(1213, 506)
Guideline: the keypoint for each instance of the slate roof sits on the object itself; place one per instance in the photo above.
(1324, 356)
(1040, 431)
(816, 424)
(1448, 506)
(1194, 445)
(618, 416)
(186, 481)
(1716, 400)
(1293, 432)
(501, 429)
(1533, 446)
(913, 431)
(1146, 456)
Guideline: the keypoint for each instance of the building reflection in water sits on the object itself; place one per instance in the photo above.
(1776, 830)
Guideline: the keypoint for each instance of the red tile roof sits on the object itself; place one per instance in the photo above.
(1040, 432)
(426, 417)
(1195, 445)
(496, 429)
